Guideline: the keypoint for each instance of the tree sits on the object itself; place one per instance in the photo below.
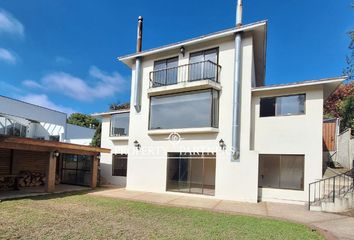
(347, 113)
(83, 120)
(96, 140)
(332, 106)
(119, 106)
(349, 70)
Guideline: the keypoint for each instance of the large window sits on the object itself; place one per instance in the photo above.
(119, 125)
(165, 72)
(119, 165)
(186, 110)
(282, 105)
(203, 65)
(281, 171)
(12, 128)
(191, 173)
(76, 169)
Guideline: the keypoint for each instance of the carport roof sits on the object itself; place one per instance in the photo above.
(30, 144)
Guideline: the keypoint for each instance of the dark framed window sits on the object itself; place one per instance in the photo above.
(203, 65)
(185, 110)
(54, 138)
(119, 165)
(12, 128)
(283, 105)
(76, 169)
(281, 171)
(165, 72)
(119, 124)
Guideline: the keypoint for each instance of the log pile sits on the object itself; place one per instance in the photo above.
(7, 183)
(31, 179)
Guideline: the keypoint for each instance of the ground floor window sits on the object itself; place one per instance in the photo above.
(191, 173)
(281, 171)
(119, 165)
(76, 169)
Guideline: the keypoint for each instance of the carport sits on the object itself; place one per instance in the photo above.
(48, 162)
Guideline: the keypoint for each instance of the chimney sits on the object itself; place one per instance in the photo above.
(138, 69)
(239, 13)
(139, 41)
(237, 85)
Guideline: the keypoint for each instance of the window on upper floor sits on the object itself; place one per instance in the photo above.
(185, 110)
(203, 65)
(282, 105)
(165, 72)
(55, 138)
(119, 125)
(12, 128)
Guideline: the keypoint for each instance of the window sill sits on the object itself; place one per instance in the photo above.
(119, 138)
(184, 87)
(183, 130)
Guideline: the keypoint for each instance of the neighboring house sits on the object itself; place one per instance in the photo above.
(23, 119)
(39, 149)
(197, 127)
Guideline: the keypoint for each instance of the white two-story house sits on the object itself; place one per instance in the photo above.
(202, 121)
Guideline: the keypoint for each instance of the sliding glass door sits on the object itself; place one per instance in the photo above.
(191, 173)
(76, 169)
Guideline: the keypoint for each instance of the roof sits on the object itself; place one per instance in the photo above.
(258, 29)
(31, 144)
(331, 84)
(110, 113)
(35, 105)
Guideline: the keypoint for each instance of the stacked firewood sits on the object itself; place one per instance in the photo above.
(31, 179)
(6, 182)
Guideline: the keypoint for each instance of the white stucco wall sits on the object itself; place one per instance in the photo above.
(32, 112)
(234, 180)
(147, 167)
(117, 147)
(344, 153)
(79, 135)
(297, 134)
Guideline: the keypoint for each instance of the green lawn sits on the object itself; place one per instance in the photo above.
(90, 217)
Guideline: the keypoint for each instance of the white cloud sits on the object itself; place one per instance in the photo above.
(105, 84)
(31, 84)
(44, 101)
(10, 25)
(7, 56)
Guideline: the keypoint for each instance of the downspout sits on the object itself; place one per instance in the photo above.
(236, 98)
(138, 69)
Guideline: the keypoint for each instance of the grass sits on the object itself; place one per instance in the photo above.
(83, 216)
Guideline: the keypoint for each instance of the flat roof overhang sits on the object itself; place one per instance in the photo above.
(30, 144)
(329, 86)
(107, 114)
(257, 29)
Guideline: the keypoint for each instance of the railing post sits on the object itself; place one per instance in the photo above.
(334, 188)
(309, 202)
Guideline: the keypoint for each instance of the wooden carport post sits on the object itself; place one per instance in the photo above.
(94, 170)
(50, 183)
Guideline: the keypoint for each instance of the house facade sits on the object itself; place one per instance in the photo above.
(21, 119)
(179, 133)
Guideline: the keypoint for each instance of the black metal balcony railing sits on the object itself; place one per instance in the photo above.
(206, 70)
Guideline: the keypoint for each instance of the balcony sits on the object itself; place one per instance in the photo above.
(192, 76)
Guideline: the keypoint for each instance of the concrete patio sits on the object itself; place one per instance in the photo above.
(333, 226)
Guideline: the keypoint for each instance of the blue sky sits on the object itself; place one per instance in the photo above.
(62, 54)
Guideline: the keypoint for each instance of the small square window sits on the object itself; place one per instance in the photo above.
(119, 165)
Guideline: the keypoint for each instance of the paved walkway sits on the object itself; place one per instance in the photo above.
(333, 226)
